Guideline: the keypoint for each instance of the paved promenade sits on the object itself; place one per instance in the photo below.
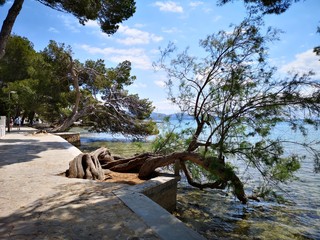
(37, 203)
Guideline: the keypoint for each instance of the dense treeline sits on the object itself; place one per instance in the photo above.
(61, 90)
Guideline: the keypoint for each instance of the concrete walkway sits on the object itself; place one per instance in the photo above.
(37, 203)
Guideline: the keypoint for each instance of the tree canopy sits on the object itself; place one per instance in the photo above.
(236, 99)
(265, 6)
(62, 90)
(108, 13)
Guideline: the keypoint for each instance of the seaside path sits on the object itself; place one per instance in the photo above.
(37, 202)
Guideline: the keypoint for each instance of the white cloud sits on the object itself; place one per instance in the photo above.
(195, 4)
(139, 25)
(208, 10)
(165, 106)
(304, 62)
(73, 24)
(135, 36)
(70, 23)
(171, 30)
(160, 83)
(217, 18)
(169, 6)
(136, 56)
(93, 24)
(139, 85)
(53, 30)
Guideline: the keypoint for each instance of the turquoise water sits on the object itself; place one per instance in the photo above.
(217, 214)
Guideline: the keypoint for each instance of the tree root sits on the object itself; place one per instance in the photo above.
(91, 165)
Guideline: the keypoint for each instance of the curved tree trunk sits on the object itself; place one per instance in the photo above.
(85, 166)
(216, 185)
(76, 112)
(8, 24)
(68, 122)
(146, 164)
(224, 174)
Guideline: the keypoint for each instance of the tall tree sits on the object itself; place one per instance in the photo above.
(16, 67)
(81, 85)
(269, 7)
(236, 101)
(8, 24)
(108, 13)
(18, 63)
(62, 90)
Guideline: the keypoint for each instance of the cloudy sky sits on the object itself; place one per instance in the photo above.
(155, 23)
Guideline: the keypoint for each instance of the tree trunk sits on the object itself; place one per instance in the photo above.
(86, 166)
(8, 25)
(215, 185)
(146, 164)
(76, 113)
(68, 122)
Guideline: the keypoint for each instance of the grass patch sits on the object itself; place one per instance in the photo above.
(125, 149)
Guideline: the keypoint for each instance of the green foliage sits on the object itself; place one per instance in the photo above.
(170, 139)
(199, 173)
(16, 70)
(124, 149)
(237, 101)
(120, 112)
(283, 170)
(265, 6)
(108, 13)
(50, 83)
(166, 143)
(17, 64)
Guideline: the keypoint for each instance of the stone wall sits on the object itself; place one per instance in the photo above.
(162, 190)
(71, 137)
(2, 126)
(155, 212)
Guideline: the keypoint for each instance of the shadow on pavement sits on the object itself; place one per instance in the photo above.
(76, 211)
(19, 148)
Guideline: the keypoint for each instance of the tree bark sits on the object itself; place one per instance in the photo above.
(86, 166)
(8, 25)
(76, 113)
(216, 185)
(222, 173)
(68, 122)
(146, 164)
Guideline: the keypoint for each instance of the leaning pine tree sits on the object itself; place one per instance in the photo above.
(235, 100)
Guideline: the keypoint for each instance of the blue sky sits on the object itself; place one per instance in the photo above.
(155, 23)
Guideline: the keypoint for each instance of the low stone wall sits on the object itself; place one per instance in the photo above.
(2, 126)
(151, 201)
(162, 190)
(71, 137)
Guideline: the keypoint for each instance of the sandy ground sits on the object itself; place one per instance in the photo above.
(127, 178)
